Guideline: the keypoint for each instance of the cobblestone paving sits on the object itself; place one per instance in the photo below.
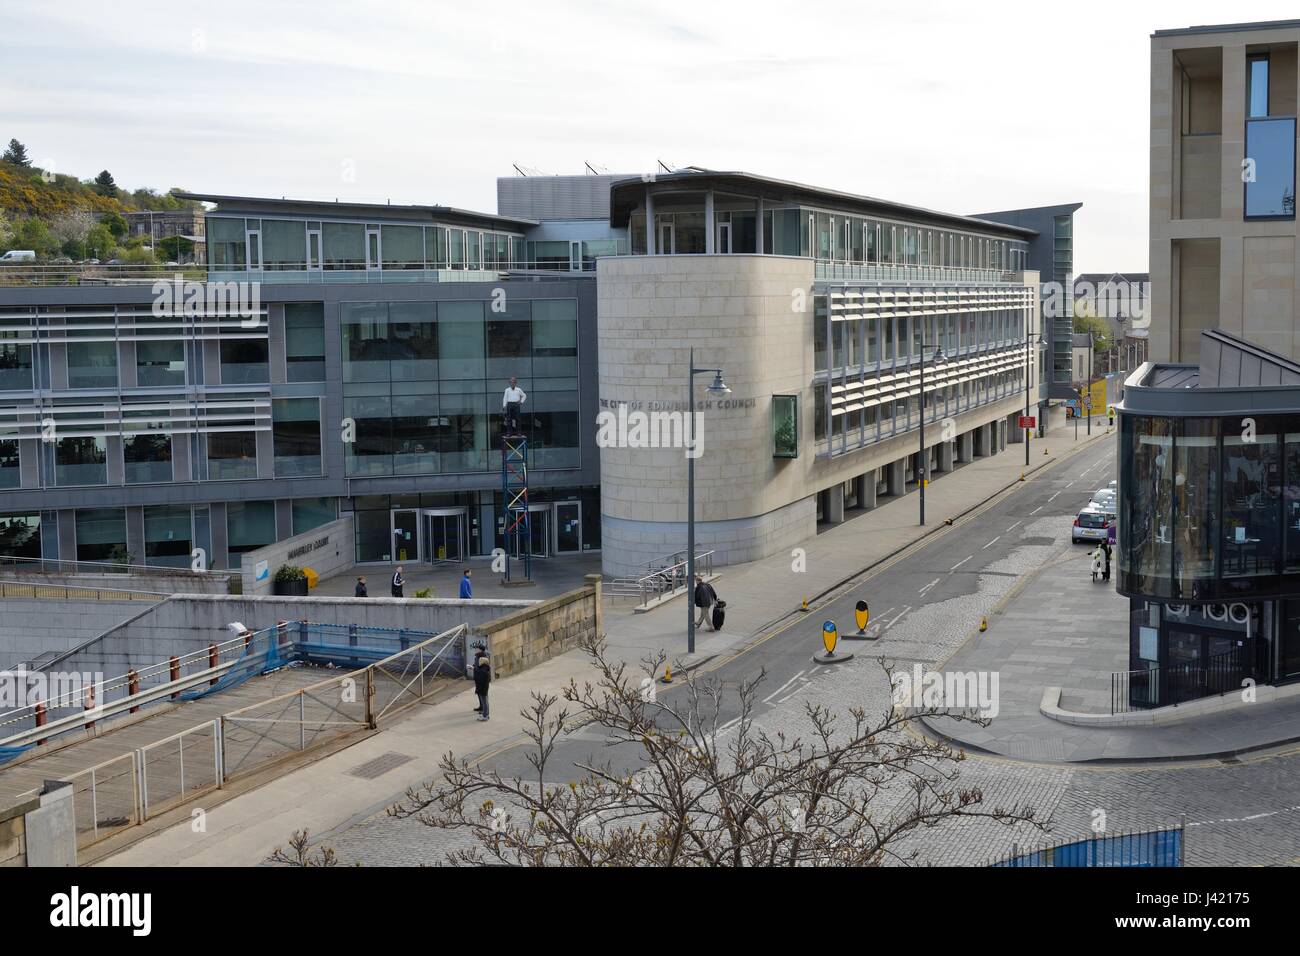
(1245, 813)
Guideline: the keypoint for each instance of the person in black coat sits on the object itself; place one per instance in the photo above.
(705, 598)
(361, 588)
(398, 581)
(482, 678)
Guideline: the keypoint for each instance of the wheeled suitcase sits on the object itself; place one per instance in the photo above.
(719, 614)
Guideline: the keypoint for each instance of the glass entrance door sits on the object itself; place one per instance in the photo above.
(406, 536)
(568, 527)
(444, 534)
(539, 533)
(666, 238)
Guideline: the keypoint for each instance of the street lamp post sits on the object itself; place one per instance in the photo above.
(1029, 337)
(717, 388)
(1088, 400)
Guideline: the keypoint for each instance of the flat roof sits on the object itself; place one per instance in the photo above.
(363, 209)
(1230, 28)
(620, 208)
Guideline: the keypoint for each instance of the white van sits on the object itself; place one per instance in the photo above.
(18, 255)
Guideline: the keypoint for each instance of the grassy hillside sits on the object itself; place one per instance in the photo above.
(24, 192)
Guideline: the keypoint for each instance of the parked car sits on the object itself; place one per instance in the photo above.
(19, 255)
(1090, 525)
(1105, 506)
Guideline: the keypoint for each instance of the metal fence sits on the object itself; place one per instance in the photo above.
(1148, 848)
(65, 592)
(1158, 686)
(139, 785)
(663, 579)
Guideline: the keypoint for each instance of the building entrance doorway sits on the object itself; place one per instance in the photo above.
(443, 535)
(568, 527)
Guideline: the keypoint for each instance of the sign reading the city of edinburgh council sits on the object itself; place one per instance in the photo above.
(700, 406)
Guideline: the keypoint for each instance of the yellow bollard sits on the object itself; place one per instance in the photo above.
(805, 605)
(1044, 451)
(668, 674)
(984, 624)
(1022, 476)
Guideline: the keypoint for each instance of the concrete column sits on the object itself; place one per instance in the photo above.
(966, 446)
(649, 222)
(710, 232)
(867, 490)
(1015, 434)
(945, 450)
(896, 475)
(758, 241)
(835, 504)
(1002, 434)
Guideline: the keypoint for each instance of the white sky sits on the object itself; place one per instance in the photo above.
(959, 106)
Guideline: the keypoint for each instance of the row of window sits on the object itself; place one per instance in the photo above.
(148, 458)
(164, 363)
(860, 427)
(827, 236)
(885, 341)
(171, 532)
(298, 245)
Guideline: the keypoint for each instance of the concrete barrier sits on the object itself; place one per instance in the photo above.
(327, 550)
(30, 627)
(1050, 706)
(527, 637)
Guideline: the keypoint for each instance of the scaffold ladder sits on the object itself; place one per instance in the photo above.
(514, 491)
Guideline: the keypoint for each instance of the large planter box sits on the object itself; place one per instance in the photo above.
(290, 588)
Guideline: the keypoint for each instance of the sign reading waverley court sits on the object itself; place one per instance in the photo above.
(308, 548)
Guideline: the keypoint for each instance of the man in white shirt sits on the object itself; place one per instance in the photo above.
(512, 401)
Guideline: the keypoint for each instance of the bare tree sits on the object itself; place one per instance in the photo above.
(708, 793)
(73, 225)
(300, 853)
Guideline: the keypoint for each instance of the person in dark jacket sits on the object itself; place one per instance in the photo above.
(1105, 566)
(398, 581)
(466, 589)
(482, 678)
(361, 588)
(705, 598)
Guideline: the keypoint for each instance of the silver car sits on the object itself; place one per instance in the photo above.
(1090, 525)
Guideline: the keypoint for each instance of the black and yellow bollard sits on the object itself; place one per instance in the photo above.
(1022, 476)
(862, 614)
(984, 624)
(805, 605)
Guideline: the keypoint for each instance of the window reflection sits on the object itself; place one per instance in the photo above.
(1250, 504)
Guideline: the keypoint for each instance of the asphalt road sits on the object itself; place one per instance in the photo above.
(925, 603)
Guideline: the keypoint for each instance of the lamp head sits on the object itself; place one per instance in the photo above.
(719, 387)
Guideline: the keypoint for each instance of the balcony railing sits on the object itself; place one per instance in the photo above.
(896, 272)
(1158, 686)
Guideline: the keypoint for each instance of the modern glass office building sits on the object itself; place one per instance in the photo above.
(335, 359)
(1209, 521)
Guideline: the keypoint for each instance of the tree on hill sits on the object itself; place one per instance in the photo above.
(104, 184)
(6, 233)
(17, 154)
(115, 223)
(99, 242)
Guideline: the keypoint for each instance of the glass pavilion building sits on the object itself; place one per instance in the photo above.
(1209, 522)
(343, 358)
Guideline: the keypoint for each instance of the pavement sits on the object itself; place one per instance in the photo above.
(551, 577)
(927, 588)
(1060, 629)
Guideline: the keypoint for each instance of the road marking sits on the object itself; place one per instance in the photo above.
(1053, 498)
(994, 541)
(1036, 510)
(924, 589)
(906, 608)
(781, 689)
(1071, 483)
(1012, 527)
(960, 563)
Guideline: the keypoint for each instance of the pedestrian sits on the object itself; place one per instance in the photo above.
(512, 401)
(1105, 567)
(361, 587)
(482, 678)
(705, 598)
(398, 581)
(466, 589)
(1098, 559)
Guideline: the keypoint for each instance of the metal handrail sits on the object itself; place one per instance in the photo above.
(73, 592)
(1209, 675)
(140, 676)
(661, 582)
(106, 567)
